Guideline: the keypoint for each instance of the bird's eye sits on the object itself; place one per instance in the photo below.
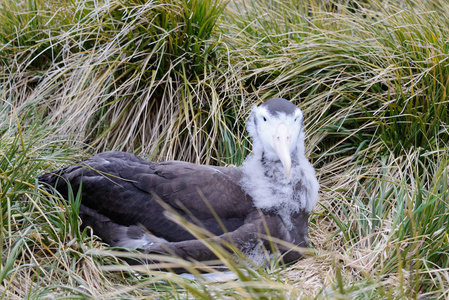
(264, 119)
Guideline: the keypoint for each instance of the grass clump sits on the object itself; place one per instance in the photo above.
(371, 67)
(33, 229)
(391, 224)
(116, 68)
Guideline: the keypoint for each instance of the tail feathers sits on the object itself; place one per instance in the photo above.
(66, 180)
(49, 179)
(55, 180)
(117, 235)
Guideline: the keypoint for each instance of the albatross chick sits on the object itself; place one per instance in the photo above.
(124, 197)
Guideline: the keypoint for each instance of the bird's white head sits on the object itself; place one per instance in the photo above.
(277, 131)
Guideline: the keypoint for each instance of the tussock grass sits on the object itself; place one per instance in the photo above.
(172, 79)
(370, 68)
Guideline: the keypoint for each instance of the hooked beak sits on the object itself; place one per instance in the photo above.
(282, 145)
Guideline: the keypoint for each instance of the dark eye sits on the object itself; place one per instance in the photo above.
(264, 119)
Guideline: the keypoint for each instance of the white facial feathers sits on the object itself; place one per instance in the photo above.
(275, 133)
(278, 175)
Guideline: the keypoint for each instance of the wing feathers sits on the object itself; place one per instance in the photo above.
(121, 186)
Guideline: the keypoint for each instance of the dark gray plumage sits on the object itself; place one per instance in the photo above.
(275, 190)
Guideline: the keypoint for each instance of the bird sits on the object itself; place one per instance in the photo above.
(127, 200)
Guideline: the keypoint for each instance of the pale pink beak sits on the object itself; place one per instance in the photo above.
(282, 146)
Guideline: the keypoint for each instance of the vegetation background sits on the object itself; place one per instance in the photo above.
(174, 79)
